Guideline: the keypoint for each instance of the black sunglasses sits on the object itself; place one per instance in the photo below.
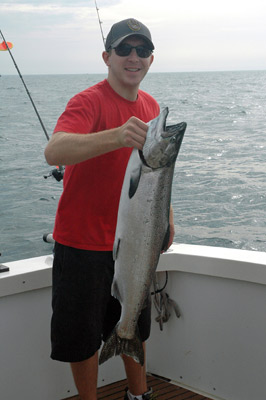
(125, 49)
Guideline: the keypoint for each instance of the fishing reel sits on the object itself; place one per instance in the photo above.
(57, 173)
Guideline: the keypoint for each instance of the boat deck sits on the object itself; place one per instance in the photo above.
(164, 391)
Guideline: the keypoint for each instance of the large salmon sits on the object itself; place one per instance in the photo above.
(142, 230)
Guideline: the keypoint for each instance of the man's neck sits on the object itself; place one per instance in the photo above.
(128, 93)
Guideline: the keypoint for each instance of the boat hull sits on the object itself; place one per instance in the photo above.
(217, 347)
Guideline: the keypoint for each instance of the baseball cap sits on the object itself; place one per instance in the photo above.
(123, 29)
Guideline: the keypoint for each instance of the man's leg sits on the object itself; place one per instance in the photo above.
(136, 375)
(81, 290)
(85, 375)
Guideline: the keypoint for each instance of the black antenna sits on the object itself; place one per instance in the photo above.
(28, 93)
(100, 22)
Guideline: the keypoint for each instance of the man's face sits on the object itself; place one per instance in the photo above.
(128, 71)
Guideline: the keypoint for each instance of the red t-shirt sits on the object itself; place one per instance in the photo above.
(87, 210)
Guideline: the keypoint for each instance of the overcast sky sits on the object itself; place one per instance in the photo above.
(57, 37)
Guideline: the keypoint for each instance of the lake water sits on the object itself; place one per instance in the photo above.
(219, 189)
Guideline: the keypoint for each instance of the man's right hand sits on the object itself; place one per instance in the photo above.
(133, 133)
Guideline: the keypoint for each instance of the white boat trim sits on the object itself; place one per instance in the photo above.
(244, 265)
(221, 262)
(25, 275)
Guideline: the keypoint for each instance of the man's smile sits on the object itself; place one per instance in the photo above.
(132, 69)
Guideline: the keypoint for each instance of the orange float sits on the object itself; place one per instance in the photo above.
(3, 46)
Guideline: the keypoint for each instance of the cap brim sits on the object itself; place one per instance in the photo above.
(120, 40)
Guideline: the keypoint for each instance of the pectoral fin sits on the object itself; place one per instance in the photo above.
(116, 248)
(134, 181)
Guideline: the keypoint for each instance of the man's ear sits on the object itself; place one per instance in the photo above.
(152, 58)
(106, 56)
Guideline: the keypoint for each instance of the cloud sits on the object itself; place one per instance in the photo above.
(59, 3)
(22, 16)
(64, 36)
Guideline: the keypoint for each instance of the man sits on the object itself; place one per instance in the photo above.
(94, 138)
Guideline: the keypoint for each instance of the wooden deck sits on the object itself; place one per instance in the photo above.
(163, 389)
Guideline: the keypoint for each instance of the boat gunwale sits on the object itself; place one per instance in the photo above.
(243, 265)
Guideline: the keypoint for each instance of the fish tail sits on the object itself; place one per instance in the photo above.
(115, 346)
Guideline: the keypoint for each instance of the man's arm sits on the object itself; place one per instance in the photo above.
(71, 148)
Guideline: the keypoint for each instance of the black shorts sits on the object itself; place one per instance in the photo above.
(84, 312)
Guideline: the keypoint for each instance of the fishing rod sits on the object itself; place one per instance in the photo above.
(57, 173)
(25, 86)
(100, 22)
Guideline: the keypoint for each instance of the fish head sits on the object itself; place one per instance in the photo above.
(162, 142)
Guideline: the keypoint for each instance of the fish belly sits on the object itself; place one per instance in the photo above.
(141, 230)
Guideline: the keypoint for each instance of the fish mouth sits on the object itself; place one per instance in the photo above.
(163, 143)
(174, 130)
(164, 115)
(171, 130)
